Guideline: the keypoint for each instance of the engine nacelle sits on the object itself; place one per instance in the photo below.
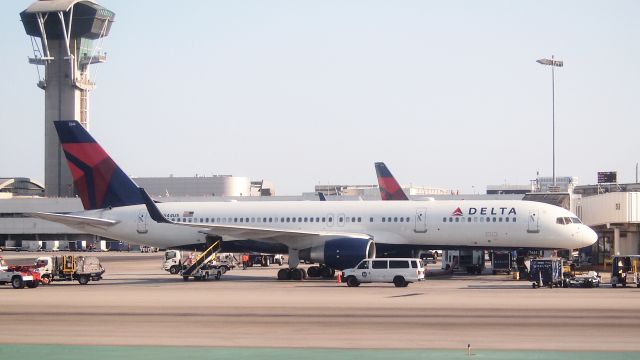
(340, 254)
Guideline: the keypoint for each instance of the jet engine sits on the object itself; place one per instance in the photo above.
(340, 254)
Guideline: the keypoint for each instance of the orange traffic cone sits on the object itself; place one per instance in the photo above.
(339, 277)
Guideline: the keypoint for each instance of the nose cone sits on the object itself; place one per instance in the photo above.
(588, 236)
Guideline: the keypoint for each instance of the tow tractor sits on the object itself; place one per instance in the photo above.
(624, 269)
(69, 267)
(18, 276)
(588, 280)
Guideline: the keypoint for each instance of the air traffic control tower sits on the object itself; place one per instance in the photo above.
(66, 36)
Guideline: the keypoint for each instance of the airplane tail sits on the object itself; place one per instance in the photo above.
(97, 178)
(389, 187)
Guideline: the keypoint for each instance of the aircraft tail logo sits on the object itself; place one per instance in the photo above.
(98, 179)
(389, 187)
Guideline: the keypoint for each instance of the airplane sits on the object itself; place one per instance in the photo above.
(334, 234)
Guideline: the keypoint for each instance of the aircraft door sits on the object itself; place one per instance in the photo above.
(142, 222)
(533, 225)
(421, 220)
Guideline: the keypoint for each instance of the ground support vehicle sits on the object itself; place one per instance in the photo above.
(501, 261)
(588, 280)
(203, 267)
(624, 270)
(399, 271)
(546, 272)
(68, 268)
(18, 276)
(265, 259)
(472, 261)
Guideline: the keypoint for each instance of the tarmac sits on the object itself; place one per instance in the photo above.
(139, 306)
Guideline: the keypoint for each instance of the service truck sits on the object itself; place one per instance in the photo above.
(69, 267)
(18, 276)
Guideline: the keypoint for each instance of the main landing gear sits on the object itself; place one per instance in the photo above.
(292, 274)
(322, 271)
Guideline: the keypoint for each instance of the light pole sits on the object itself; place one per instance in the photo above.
(553, 63)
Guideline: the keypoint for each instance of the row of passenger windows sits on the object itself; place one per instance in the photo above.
(236, 220)
(476, 219)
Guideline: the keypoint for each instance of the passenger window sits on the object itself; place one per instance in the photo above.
(306, 219)
(469, 219)
(383, 219)
(292, 219)
(370, 219)
(401, 219)
(395, 219)
(450, 219)
(379, 264)
(235, 220)
(253, 220)
(340, 219)
(246, 219)
(500, 219)
(506, 219)
(389, 219)
(318, 219)
(514, 219)
(330, 219)
(359, 219)
(363, 265)
(323, 219)
(494, 219)
(457, 219)
(444, 219)
(398, 264)
(241, 219)
(407, 219)
(353, 219)
(299, 219)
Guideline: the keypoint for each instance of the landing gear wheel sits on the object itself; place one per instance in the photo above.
(398, 281)
(298, 274)
(352, 281)
(313, 271)
(327, 272)
(284, 274)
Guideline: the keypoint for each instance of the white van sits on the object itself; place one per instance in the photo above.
(399, 271)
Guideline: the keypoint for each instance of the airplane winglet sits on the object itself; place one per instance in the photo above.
(321, 196)
(152, 208)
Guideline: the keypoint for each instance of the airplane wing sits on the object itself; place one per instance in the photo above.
(247, 232)
(72, 220)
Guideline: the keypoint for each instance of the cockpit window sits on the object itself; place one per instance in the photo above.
(560, 221)
(575, 220)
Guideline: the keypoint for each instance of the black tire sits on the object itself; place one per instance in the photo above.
(173, 270)
(17, 282)
(399, 281)
(83, 279)
(533, 285)
(284, 274)
(313, 271)
(33, 284)
(613, 285)
(297, 274)
(352, 281)
(218, 275)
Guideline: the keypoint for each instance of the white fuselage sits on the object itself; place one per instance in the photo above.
(433, 224)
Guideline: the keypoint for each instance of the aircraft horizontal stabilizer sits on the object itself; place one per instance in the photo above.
(72, 220)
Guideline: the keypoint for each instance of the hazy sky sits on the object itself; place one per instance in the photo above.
(447, 93)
